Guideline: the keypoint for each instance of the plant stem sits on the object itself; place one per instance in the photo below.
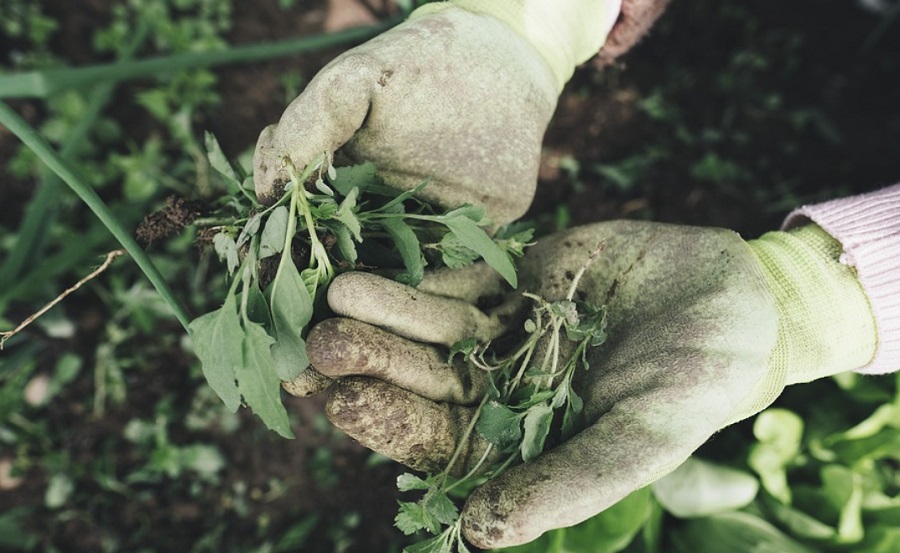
(41, 210)
(41, 84)
(11, 120)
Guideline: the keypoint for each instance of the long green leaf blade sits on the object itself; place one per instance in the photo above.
(475, 238)
(11, 120)
(292, 309)
(258, 382)
(217, 340)
(408, 245)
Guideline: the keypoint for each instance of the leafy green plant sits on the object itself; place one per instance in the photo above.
(256, 339)
(530, 388)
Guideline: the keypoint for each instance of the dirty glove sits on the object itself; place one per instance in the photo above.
(704, 330)
(460, 93)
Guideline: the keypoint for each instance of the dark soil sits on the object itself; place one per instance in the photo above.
(790, 93)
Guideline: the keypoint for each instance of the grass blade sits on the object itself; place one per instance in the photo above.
(41, 84)
(42, 209)
(11, 120)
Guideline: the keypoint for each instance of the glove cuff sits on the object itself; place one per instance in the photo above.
(565, 33)
(868, 228)
(826, 325)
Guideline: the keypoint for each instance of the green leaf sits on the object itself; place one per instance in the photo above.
(251, 227)
(408, 481)
(476, 213)
(797, 522)
(465, 347)
(59, 489)
(499, 425)
(323, 210)
(345, 242)
(736, 532)
(396, 203)
(437, 544)
(779, 432)
(274, 233)
(608, 532)
(454, 253)
(15, 532)
(346, 214)
(354, 176)
(699, 488)
(226, 249)
(843, 489)
(412, 517)
(441, 508)
(474, 237)
(217, 338)
(258, 381)
(323, 188)
(408, 245)
(292, 309)
(537, 426)
(219, 161)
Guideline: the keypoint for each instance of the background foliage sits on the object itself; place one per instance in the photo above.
(731, 113)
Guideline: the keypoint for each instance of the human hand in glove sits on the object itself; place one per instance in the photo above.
(704, 329)
(460, 93)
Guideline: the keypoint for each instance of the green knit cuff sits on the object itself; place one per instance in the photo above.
(826, 324)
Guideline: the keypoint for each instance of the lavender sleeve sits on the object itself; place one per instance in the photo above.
(868, 226)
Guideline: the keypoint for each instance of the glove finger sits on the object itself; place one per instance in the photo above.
(474, 284)
(410, 312)
(325, 116)
(406, 427)
(638, 441)
(308, 383)
(346, 347)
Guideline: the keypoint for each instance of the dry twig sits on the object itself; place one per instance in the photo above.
(110, 257)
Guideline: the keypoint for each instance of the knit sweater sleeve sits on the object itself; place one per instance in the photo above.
(868, 227)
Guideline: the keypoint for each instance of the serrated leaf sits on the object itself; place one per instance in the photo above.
(226, 249)
(217, 338)
(465, 347)
(537, 427)
(441, 508)
(412, 517)
(354, 176)
(407, 245)
(274, 233)
(408, 481)
(324, 210)
(346, 214)
(474, 237)
(292, 308)
(454, 253)
(258, 381)
(499, 425)
(345, 242)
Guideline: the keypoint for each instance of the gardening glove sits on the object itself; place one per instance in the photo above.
(704, 329)
(460, 93)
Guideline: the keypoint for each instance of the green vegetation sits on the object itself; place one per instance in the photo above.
(111, 440)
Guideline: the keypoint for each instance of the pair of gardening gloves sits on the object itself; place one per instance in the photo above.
(704, 328)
